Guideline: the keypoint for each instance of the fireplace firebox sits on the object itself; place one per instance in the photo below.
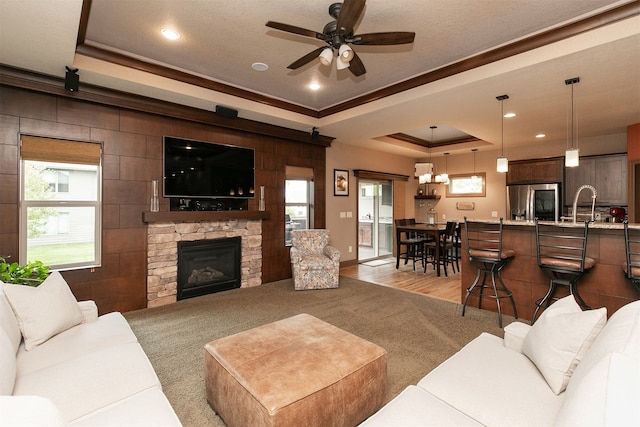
(208, 266)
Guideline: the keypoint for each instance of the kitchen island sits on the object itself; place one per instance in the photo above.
(604, 286)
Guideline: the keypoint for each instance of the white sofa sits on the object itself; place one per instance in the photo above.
(94, 373)
(521, 380)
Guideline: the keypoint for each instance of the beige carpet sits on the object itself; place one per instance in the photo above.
(418, 332)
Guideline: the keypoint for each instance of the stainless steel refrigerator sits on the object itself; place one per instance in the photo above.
(528, 202)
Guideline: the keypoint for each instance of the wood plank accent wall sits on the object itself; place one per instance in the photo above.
(132, 159)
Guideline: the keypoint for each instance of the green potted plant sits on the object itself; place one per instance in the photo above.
(31, 274)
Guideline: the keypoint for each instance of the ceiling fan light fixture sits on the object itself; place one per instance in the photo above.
(341, 64)
(346, 53)
(326, 56)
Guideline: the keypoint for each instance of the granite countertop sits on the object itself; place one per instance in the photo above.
(597, 224)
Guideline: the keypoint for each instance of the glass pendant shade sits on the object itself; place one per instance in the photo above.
(341, 64)
(326, 56)
(502, 165)
(345, 53)
(572, 157)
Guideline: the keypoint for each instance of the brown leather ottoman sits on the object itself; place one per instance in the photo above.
(299, 371)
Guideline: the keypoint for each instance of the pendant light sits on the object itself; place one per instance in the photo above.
(572, 155)
(474, 177)
(445, 176)
(502, 164)
(429, 175)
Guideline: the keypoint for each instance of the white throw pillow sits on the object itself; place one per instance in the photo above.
(44, 311)
(608, 395)
(560, 337)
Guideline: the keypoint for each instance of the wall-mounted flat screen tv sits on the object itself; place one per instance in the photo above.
(198, 169)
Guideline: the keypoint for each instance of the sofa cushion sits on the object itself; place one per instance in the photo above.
(608, 395)
(485, 373)
(8, 321)
(7, 366)
(93, 381)
(149, 408)
(107, 331)
(621, 334)
(45, 310)
(415, 406)
(25, 411)
(560, 337)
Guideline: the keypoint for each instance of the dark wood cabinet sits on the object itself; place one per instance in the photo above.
(578, 176)
(538, 171)
(608, 174)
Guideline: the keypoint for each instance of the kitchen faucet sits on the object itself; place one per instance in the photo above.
(594, 194)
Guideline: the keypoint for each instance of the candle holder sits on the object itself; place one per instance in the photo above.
(155, 201)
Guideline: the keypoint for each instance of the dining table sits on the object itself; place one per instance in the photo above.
(434, 231)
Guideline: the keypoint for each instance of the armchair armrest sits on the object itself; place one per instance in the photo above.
(332, 253)
(295, 255)
(89, 310)
(514, 335)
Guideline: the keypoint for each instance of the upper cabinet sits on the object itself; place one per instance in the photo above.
(540, 171)
(608, 174)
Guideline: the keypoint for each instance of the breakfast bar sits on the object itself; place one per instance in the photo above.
(604, 286)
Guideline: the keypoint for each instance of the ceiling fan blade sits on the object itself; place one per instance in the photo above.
(390, 38)
(296, 30)
(349, 14)
(306, 59)
(356, 66)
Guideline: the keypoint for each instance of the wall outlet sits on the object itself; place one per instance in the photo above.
(350, 249)
(494, 214)
(444, 216)
(349, 214)
(343, 214)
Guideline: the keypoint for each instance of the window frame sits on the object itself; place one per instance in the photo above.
(25, 205)
(481, 175)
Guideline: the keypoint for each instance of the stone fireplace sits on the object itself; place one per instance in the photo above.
(164, 236)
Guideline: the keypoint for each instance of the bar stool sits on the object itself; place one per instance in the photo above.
(485, 252)
(561, 252)
(632, 244)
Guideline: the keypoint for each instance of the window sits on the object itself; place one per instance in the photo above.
(298, 211)
(60, 209)
(467, 185)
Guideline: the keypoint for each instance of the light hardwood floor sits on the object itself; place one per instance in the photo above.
(446, 288)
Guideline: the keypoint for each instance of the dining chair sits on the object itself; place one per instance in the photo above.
(412, 243)
(446, 249)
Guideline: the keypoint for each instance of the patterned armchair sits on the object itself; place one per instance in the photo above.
(314, 264)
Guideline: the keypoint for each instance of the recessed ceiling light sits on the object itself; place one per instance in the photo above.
(509, 115)
(314, 86)
(170, 34)
(259, 66)
(540, 135)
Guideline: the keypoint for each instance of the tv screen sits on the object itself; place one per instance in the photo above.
(197, 169)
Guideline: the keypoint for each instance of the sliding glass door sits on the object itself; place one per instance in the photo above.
(375, 219)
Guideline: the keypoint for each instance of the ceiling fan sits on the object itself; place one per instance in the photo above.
(338, 35)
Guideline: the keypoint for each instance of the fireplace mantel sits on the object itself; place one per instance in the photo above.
(190, 216)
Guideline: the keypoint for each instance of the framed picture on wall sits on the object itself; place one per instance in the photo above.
(340, 182)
